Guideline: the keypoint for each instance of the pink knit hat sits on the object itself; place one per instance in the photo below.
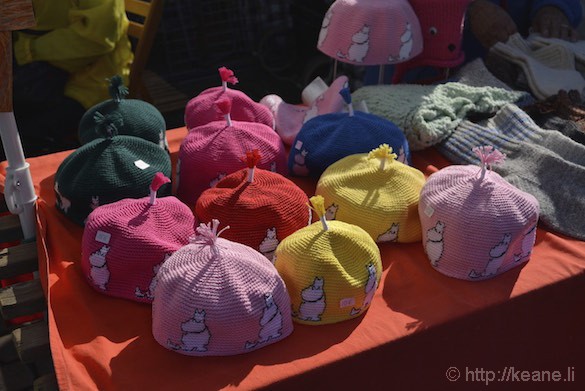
(212, 151)
(441, 23)
(475, 224)
(201, 109)
(124, 243)
(215, 297)
(370, 32)
(262, 207)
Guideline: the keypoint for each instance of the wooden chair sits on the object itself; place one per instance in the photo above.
(144, 19)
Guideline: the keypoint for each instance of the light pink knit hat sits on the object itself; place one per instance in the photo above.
(370, 32)
(475, 224)
(201, 109)
(124, 243)
(212, 151)
(215, 297)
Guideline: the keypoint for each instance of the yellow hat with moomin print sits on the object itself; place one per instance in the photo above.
(331, 270)
(376, 193)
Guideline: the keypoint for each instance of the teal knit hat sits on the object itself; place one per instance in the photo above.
(107, 170)
(131, 117)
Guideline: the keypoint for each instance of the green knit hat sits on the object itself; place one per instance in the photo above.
(131, 117)
(107, 170)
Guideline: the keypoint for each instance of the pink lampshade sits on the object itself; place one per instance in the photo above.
(370, 32)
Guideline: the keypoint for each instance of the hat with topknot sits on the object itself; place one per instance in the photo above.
(125, 243)
(215, 297)
(475, 224)
(331, 269)
(375, 192)
(130, 117)
(201, 109)
(261, 206)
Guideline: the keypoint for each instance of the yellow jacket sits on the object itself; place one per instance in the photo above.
(87, 38)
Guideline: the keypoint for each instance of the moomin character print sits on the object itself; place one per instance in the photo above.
(527, 244)
(299, 167)
(331, 211)
(406, 43)
(63, 203)
(497, 254)
(269, 243)
(401, 155)
(434, 243)
(216, 180)
(371, 286)
(389, 236)
(99, 272)
(149, 294)
(313, 301)
(358, 49)
(196, 335)
(324, 27)
(270, 323)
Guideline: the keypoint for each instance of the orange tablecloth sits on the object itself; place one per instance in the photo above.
(420, 322)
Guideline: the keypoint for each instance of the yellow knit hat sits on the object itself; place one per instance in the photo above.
(376, 193)
(331, 270)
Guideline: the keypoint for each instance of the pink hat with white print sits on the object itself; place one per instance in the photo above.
(262, 207)
(210, 152)
(370, 32)
(124, 243)
(475, 224)
(216, 297)
(202, 109)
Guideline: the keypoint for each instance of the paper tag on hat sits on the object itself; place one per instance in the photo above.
(429, 211)
(103, 237)
(141, 164)
(347, 302)
(3, 257)
(298, 145)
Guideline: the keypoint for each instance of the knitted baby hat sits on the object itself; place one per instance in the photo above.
(475, 224)
(331, 269)
(327, 138)
(130, 117)
(202, 110)
(124, 243)
(212, 151)
(106, 170)
(215, 297)
(376, 193)
(262, 207)
(359, 32)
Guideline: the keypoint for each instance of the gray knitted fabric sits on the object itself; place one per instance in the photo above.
(548, 167)
(476, 74)
(427, 114)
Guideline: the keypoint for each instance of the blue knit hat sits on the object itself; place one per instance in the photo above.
(325, 139)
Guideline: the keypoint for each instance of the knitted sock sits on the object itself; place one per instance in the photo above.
(569, 128)
(557, 184)
(476, 74)
(577, 48)
(554, 56)
(427, 114)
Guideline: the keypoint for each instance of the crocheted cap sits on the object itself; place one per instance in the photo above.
(325, 139)
(376, 193)
(475, 224)
(331, 269)
(370, 32)
(201, 109)
(131, 117)
(215, 297)
(261, 212)
(124, 243)
(107, 170)
(212, 151)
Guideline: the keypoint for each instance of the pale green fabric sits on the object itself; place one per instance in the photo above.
(427, 114)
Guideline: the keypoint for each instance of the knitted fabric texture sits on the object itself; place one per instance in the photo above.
(131, 117)
(358, 32)
(442, 30)
(475, 227)
(382, 201)
(476, 74)
(210, 152)
(549, 165)
(331, 275)
(201, 109)
(428, 114)
(125, 243)
(215, 297)
(107, 170)
(261, 213)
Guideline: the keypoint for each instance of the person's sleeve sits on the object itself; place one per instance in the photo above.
(92, 33)
(571, 8)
